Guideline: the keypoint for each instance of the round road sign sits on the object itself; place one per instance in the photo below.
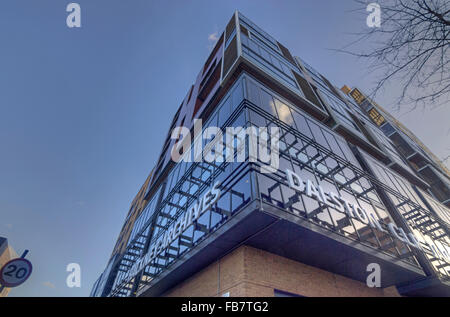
(15, 272)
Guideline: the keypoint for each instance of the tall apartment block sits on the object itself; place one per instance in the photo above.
(354, 192)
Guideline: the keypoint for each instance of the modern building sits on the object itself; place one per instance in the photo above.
(104, 282)
(343, 201)
(7, 253)
(415, 153)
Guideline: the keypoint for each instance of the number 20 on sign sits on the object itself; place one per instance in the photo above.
(15, 272)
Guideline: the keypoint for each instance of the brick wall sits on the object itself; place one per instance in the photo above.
(252, 272)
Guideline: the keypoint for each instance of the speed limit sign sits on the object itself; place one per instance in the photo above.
(15, 272)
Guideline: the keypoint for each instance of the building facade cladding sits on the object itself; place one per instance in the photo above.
(103, 284)
(137, 206)
(251, 80)
(414, 152)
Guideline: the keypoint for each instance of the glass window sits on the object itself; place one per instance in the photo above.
(301, 123)
(284, 114)
(267, 103)
(238, 95)
(318, 136)
(253, 92)
(224, 112)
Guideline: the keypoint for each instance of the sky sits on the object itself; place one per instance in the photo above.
(84, 111)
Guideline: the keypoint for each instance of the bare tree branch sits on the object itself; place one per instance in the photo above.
(411, 48)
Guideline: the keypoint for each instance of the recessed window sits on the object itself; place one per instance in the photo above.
(376, 117)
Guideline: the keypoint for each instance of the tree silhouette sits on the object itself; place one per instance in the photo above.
(410, 48)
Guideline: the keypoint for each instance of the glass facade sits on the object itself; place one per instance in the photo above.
(414, 154)
(429, 227)
(312, 149)
(315, 152)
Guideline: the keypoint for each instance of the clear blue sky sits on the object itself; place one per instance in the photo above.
(84, 111)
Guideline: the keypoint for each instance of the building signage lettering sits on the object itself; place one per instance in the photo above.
(178, 227)
(339, 203)
(306, 187)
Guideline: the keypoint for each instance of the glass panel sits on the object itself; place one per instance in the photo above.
(284, 114)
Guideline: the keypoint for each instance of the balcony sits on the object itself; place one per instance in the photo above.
(439, 184)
